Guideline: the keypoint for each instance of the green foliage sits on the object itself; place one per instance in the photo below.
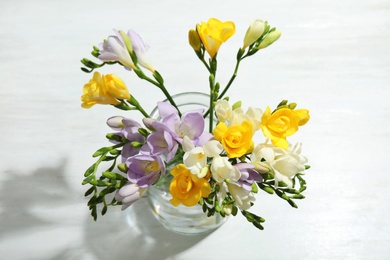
(104, 185)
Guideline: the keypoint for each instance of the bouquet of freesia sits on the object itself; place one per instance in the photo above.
(210, 156)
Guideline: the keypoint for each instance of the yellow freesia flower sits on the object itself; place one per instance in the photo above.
(214, 33)
(282, 123)
(104, 89)
(236, 139)
(186, 188)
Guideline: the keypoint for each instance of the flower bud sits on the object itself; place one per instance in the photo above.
(115, 122)
(148, 122)
(253, 33)
(228, 209)
(261, 167)
(127, 41)
(269, 39)
(194, 40)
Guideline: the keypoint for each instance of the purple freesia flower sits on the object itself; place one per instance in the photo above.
(162, 142)
(129, 129)
(129, 194)
(140, 49)
(144, 169)
(114, 49)
(191, 124)
(248, 175)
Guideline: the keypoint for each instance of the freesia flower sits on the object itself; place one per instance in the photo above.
(104, 89)
(214, 33)
(162, 142)
(140, 49)
(223, 110)
(222, 170)
(191, 124)
(243, 198)
(115, 49)
(248, 175)
(282, 123)
(129, 194)
(186, 188)
(195, 158)
(253, 115)
(144, 169)
(253, 33)
(127, 128)
(236, 140)
(284, 164)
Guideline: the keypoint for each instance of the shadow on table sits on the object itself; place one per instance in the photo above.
(29, 202)
(21, 194)
(142, 236)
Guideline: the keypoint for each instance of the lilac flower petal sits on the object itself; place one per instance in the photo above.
(137, 41)
(165, 109)
(196, 121)
(172, 153)
(131, 122)
(115, 123)
(204, 138)
(128, 190)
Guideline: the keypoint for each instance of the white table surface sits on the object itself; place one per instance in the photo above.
(333, 58)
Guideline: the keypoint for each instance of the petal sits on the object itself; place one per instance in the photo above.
(165, 109)
(187, 144)
(212, 148)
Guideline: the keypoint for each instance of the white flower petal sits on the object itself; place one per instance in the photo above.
(212, 148)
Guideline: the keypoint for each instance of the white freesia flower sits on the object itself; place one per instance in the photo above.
(223, 110)
(253, 33)
(252, 115)
(284, 164)
(243, 198)
(222, 170)
(195, 158)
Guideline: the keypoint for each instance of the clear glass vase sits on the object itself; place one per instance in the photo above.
(182, 219)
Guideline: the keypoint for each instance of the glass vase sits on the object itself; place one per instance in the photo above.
(182, 219)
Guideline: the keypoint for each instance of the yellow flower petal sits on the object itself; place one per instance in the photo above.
(214, 33)
(186, 188)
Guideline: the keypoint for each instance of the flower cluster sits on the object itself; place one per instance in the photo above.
(208, 157)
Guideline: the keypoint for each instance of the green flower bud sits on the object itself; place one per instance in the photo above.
(194, 40)
(270, 39)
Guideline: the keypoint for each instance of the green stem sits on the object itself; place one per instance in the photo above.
(239, 59)
(231, 79)
(213, 72)
(136, 104)
(160, 85)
